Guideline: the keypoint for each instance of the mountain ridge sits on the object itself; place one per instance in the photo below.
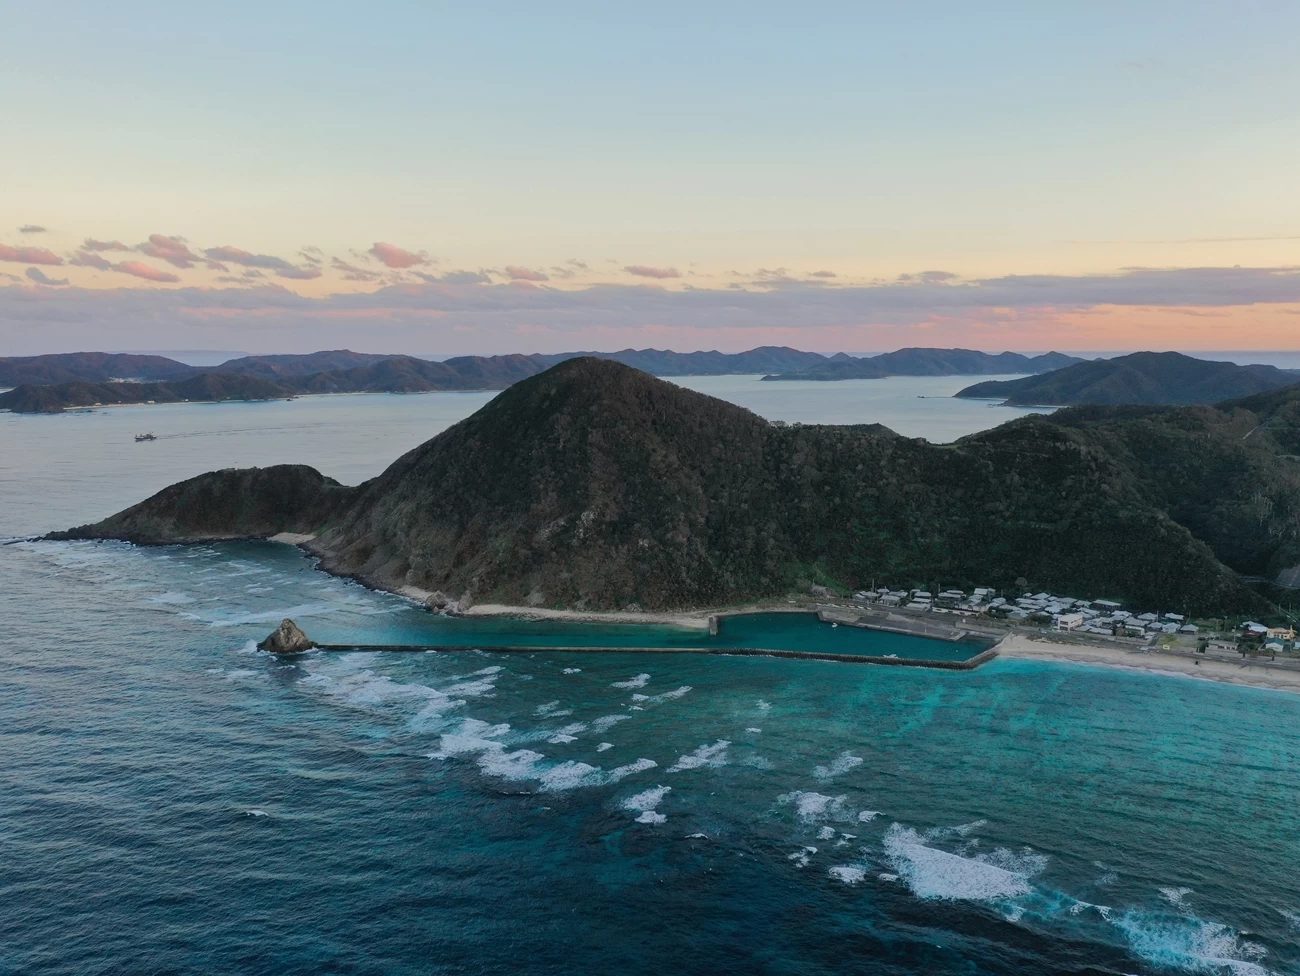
(594, 485)
(1138, 378)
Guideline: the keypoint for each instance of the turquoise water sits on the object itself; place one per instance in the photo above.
(174, 801)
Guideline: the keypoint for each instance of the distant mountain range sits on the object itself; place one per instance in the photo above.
(1140, 378)
(597, 486)
(45, 384)
(927, 362)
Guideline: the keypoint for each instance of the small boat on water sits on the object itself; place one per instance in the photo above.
(151, 436)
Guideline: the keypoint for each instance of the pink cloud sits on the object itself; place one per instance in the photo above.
(396, 257)
(646, 271)
(29, 255)
(353, 273)
(299, 274)
(90, 244)
(517, 273)
(88, 259)
(173, 250)
(146, 271)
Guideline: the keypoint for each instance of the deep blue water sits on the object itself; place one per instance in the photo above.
(172, 800)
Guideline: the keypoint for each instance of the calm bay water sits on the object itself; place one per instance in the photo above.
(172, 800)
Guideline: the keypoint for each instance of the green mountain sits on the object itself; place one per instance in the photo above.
(596, 485)
(927, 362)
(88, 367)
(1141, 378)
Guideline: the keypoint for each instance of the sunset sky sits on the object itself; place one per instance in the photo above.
(469, 178)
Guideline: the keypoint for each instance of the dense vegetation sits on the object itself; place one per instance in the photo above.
(927, 362)
(1142, 378)
(597, 485)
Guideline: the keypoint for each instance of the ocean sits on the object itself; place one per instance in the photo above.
(174, 801)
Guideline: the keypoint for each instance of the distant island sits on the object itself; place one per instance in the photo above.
(927, 362)
(596, 486)
(1140, 378)
(49, 384)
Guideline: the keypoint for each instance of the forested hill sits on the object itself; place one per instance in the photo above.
(1140, 378)
(92, 367)
(927, 362)
(596, 485)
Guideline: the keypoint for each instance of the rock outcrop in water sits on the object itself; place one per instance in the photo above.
(600, 486)
(288, 638)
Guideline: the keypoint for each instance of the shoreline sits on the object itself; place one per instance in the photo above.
(1244, 673)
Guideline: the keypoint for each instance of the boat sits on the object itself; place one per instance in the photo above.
(151, 436)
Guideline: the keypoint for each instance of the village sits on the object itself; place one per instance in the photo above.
(1098, 619)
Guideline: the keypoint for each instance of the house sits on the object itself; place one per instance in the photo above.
(1105, 606)
(1282, 633)
(890, 600)
(1254, 631)
(1176, 617)
(1188, 629)
(1274, 647)
(1069, 621)
(1134, 628)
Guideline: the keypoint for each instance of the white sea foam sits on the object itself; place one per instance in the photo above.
(1175, 896)
(239, 673)
(1292, 916)
(840, 764)
(638, 682)
(801, 856)
(477, 738)
(932, 873)
(666, 696)
(573, 670)
(568, 733)
(646, 803)
(607, 722)
(847, 873)
(811, 807)
(604, 745)
(712, 756)
(866, 816)
(256, 813)
(763, 706)
(826, 833)
(753, 730)
(1190, 944)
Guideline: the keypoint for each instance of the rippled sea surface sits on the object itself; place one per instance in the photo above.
(174, 801)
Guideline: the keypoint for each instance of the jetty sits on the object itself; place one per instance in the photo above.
(288, 639)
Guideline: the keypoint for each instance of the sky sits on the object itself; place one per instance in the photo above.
(440, 179)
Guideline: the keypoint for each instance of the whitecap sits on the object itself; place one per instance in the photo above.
(866, 816)
(847, 873)
(256, 813)
(1175, 896)
(604, 745)
(573, 670)
(607, 722)
(840, 764)
(1190, 944)
(711, 756)
(666, 696)
(568, 733)
(932, 873)
(645, 804)
(638, 682)
(826, 833)
(801, 856)
(811, 807)
(753, 730)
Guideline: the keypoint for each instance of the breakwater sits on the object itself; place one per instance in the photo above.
(890, 660)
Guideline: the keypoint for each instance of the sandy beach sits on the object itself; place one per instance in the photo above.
(1256, 674)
